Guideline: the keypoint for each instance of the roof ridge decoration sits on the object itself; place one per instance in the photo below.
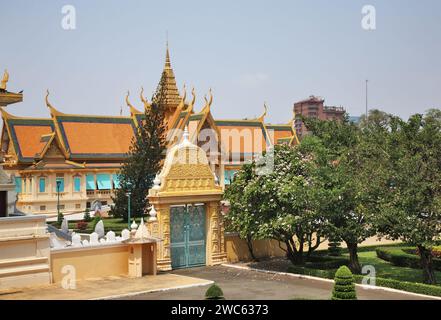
(143, 99)
(58, 135)
(208, 103)
(5, 80)
(265, 111)
(133, 110)
(53, 111)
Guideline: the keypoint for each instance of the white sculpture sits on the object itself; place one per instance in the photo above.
(142, 231)
(125, 234)
(153, 213)
(55, 242)
(133, 226)
(94, 238)
(110, 236)
(65, 226)
(76, 240)
(99, 228)
(102, 240)
(85, 242)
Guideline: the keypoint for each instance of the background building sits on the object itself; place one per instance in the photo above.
(314, 107)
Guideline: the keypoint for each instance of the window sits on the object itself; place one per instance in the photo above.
(77, 206)
(88, 205)
(62, 207)
(228, 176)
(42, 208)
(30, 185)
(61, 181)
(90, 182)
(115, 178)
(18, 184)
(42, 185)
(103, 181)
(77, 184)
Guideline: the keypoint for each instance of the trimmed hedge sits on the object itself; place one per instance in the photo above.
(326, 262)
(344, 287)
(380, 282)
(403, 257)
(214, 292)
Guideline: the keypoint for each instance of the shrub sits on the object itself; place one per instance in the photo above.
(414, 287)
(326, 262)
(82, 225)
(380, 282)
(404, 257)
(95, 221)
(214, 293)
(344, 287)
(334, 248)
(87, 216)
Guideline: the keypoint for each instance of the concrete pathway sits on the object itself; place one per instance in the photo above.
(106, 288)
(240, 284)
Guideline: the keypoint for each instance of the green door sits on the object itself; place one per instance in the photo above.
(187, 233)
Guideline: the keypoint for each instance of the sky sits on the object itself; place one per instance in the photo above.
(248, 52)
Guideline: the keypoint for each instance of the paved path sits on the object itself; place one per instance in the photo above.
(111, 287)
(244, 284)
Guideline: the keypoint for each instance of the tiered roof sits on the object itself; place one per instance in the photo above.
(66, 141)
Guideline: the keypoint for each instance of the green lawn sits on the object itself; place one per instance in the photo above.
(387, 270)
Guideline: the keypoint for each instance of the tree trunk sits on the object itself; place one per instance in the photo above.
(354, 264)
(250, 248)
(427, 265)
(294, 255)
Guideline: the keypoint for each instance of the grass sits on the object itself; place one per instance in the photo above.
(387, 270)
(383, 269)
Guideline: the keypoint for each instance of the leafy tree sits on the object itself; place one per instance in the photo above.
(144, 159)
(412, 209)
(240, 217)
(345, 158)
(376, 117)
(279, 204)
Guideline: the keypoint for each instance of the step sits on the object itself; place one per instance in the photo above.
(5, 263)
(27, 269)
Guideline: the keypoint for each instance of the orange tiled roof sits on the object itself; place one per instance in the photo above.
(29, 139)
(97, 138)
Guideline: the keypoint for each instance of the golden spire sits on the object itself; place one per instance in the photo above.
(167, 84)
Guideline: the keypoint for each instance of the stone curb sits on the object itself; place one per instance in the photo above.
(131, 294)
(301, 276)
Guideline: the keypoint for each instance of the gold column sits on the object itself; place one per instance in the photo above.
(161, 229)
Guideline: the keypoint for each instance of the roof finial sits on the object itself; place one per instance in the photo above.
(47, 99)
(4, 80)
(167, 54)
(127, 100)
(186, 134)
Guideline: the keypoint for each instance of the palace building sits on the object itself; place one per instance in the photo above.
(82, 154)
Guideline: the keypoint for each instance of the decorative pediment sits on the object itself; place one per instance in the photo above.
(186, 170)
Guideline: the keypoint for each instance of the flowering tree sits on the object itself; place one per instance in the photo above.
(279, 204)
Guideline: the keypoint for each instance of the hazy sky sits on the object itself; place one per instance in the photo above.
(248, 52)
